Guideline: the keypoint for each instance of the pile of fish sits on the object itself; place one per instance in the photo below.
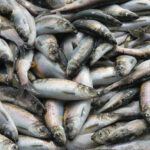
(74, 74)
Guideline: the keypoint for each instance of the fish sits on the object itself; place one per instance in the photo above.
(23, 99)
(123, 97)
(76, 113)
(54, 120)
(144, 100)
(7, 144)
(48, 46)
(54, 24)
(26, 122)
(96, 14)
(63, 89)
(5, 8)
(95, 28)
(7, 125)
(56, 3)
(125, 64)
(80, 55)
(48, 68)
(120, 13)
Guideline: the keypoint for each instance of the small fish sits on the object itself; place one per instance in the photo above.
(63, 89)
(120, 13)
(80, 55)
(96, 14)
(54, 24)
(55, 111)
(45, 68)
(26, 122)
(25, 100)
(5, 7)
(95, 28)
(7, 144)
(125, 64)
(48, 46)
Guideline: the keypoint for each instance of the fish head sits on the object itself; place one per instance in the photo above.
(40, 130)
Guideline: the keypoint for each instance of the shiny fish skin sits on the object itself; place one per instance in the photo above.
(96, 14)
(54, 120)
(5, 52)
(104, 76)
(8, 32)
(95, 28)
(44, 68)
(98, 121)
(26, 122)
(128, 132)
(30, 143)
(84, 3)
(104, 48)
(81, 142)
(100, 136)
(23, 22)
(125, 64)
(131, 78)
(77, 112)
(33, 9)
(120, 13)
(137, 5)
(7, 126)
(25, 100)
(63, 89)
(80, 55)
(121, 98)
(23, 65)
(53, 25)
(56, 3)
(70, 43)
(144, 100)
(5, 7)
(48, 46)
(7, 144)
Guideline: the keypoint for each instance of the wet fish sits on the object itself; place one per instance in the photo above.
(5, 7)
(33, 9)
(7, 126)
(56, 3)
(104, 76)
(131, 78)
(48, 46)
(63, 89)
(137, 5)
(128, 132)
(77, 112)
(80, 55)
(26, 122)
(104, 48)
(23, 65)
(54, 24)
(54, 120)
(98, 121)
(125, 64)
(96, 14)
(30, 143)
(81, 142)
(44, 68)
(7, 144)
(121, 98)
(100, 136)
(25, 100)
(70, 43)
(84, 3)
(23, 22)
(120, 13)
(144, 100)
(8, 32)
(95, 28)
